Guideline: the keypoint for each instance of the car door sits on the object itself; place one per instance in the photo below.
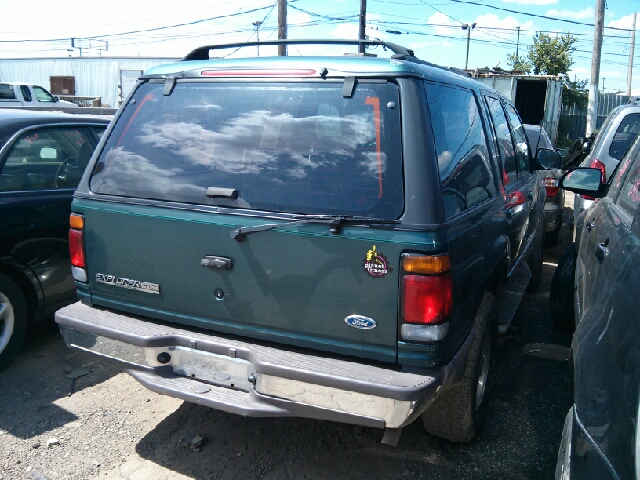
(39, 171)
(517, 185)
(27, 95)
(605, 224)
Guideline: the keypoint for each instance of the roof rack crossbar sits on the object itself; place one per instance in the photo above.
(202, 53)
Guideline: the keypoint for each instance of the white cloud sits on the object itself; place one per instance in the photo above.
(624, 22)
(296, 19)
(492, 20)
(532, 2)
(583, 14)
(609, 73)
(444, 25)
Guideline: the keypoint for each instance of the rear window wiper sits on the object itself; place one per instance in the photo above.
(334, 222)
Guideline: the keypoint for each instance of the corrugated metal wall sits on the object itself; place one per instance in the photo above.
(98, 77)
(574, 121)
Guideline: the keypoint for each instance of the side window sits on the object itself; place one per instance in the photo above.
(520, 139)
(6, 92)
(47, 159)
(461, 146)
(505, 142)
(625, 135)
(42, 95)
(629, 192)
(26, 93)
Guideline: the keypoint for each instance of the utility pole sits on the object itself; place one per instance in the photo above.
(468, 28)
(592, 106)
(603, 79)
(257, 24)
(518, 43)
(282, 26)
(633, 44)
(363, 19)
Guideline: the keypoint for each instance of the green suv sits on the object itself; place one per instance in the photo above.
(321, 237)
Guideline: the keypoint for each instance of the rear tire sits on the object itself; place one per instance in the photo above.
(534, 260)
(457, 414)
(562, 291)
(13, 320)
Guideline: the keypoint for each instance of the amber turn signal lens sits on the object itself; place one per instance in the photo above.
(426, 264)
(76, 221)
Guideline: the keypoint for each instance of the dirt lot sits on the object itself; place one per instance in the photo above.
(102, 424)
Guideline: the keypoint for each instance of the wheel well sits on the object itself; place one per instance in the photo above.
(25, 285)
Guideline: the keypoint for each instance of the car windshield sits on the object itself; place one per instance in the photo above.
(284, 147)
(537, 139)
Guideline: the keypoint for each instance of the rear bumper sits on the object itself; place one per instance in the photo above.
(251, 379)
(552, 216)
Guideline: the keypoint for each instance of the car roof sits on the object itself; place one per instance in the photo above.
(336, 67)
(14, 119)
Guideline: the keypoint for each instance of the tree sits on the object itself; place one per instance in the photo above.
(575, 92)
(520, 64)
(551, 55)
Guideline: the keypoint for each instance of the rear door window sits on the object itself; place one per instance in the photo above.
(504, 139)
(285, 147)
(461, 145)
(626, 133)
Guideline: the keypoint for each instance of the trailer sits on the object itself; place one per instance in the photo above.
(538, 98)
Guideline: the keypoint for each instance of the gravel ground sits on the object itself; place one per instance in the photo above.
(103, 424)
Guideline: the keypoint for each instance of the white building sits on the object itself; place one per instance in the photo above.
(104, 77)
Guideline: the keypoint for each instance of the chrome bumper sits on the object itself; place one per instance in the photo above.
(252, 379)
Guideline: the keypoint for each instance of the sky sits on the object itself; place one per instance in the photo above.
(432, 28)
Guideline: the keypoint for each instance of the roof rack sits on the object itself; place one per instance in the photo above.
(202, 53)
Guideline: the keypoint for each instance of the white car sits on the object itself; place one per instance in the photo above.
(15, 94)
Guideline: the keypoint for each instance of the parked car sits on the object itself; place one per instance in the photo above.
(287, 239)
(554, 202)
(42, 157)
(601, 437)
(14, 94)
(617, 134)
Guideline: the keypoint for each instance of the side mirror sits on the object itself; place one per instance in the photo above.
(56, 98)
(584, 181)
(586, 148)
(48, 153)
(548, 159)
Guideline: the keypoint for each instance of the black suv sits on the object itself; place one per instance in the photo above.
(42, 157)
(321, 237)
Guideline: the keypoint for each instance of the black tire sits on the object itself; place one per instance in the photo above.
(457, 413)
(534, 260)
(562, 291)
(13, 320)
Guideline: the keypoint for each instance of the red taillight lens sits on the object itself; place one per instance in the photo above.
(551, 186)
(426, 299)
(595, 163)
(76, 248)
(514, 199)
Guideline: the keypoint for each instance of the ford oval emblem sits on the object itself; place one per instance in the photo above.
(358, 321)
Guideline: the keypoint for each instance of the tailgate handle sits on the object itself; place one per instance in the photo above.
(219, 263)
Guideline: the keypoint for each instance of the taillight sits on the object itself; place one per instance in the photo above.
(595, 163)
(426, 300)
(76, 247)
(515, 199)
(552, 187)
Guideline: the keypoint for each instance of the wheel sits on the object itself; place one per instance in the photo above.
(534, 260)
(457, 414)
(13, 320)
(562, 290)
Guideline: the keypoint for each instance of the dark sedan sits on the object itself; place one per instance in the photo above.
(601, 437)
(42, 158)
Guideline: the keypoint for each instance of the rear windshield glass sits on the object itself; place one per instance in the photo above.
(285, 147)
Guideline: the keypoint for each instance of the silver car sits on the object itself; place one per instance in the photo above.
(538, 138)
(617, 134)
